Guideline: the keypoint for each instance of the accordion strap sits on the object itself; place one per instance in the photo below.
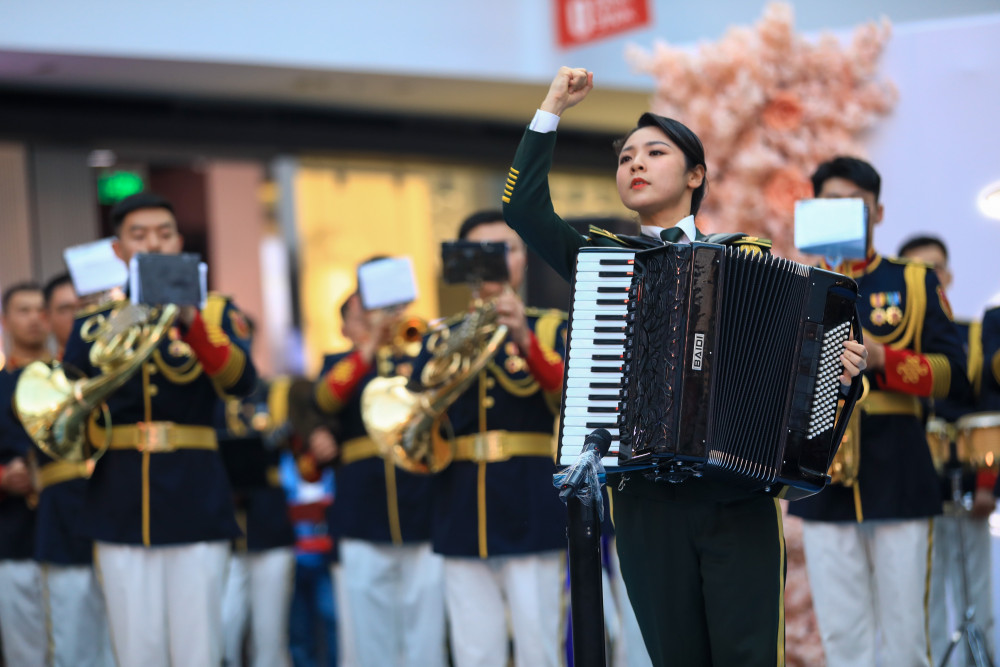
(853, 394)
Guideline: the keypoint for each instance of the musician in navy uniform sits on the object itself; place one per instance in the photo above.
(258, 590)
(868, 545)
(947, 561)
(381, 515)
(22, 618)
(498, 520)
(988, 382)
(158, 505)
(76, 617)
(989, 392)
(702, 561)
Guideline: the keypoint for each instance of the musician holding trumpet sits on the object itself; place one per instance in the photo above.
(158, 504)
(703, 562)
(388, 579)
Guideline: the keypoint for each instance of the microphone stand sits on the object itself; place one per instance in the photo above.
(586, 590)
(967, 629)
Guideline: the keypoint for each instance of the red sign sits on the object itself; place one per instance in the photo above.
(581, 21)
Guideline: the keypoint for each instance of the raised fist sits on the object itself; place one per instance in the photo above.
(568, 88)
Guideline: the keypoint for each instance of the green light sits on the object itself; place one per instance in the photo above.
(117, 185)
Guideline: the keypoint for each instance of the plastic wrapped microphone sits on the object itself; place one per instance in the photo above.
(583, 478)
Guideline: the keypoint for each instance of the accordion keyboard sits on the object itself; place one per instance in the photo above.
(595, 350)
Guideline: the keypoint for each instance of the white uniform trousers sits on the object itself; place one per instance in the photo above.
(258, 594)
(629, 648)
(22, 617)
(164, 603)
(946, 584)
(395, 604)
(346, 655)
(869, 578)
(76, 619)
(480, 592)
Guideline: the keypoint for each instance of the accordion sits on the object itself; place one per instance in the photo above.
(709, 360)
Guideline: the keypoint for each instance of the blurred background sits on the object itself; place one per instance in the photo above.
(298, 138)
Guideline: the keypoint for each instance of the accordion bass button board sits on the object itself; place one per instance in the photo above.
(707, 360)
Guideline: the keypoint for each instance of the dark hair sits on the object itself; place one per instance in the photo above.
(346, 305)
(859, 172)
(137, 202)
(917, 242)
(685, 139)
(55, 283)
(484, 217)
(16, 288)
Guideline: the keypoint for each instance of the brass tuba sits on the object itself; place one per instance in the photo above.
(54, 409)
(404, 423)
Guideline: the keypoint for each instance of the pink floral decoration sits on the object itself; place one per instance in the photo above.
(769, 105)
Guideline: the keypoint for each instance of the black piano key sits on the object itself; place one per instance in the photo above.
(596, 409)
(602, 397)
(609, 329)
(616, 262)
(605, 369)
(605, 385)
(607, 357)
(608, 341)
(601, 425)
(608, 289)
(609, 317)
(614, 274)
(611, 302)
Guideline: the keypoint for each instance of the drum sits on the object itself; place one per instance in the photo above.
(940, 435)
(979, 438)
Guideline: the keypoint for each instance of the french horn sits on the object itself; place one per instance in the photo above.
(54, 409)
(404, 423)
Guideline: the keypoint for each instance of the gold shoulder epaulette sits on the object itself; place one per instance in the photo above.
(903, 261)
(763, 244)
(215, 305)
(599, 231)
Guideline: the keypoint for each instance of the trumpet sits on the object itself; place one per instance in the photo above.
(409, 335)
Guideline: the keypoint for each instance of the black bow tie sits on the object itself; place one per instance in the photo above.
(672, 235)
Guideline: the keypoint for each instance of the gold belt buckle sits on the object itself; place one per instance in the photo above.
(488, 447)
(154, 437)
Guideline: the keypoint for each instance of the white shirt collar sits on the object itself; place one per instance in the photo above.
(687, 224)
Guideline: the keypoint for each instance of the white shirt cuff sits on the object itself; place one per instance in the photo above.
(544, 122)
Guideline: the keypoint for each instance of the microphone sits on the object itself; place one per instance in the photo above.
(595, 448)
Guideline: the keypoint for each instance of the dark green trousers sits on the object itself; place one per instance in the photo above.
(705, 571)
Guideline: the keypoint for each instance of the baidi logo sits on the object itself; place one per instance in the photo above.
(699, 352)
(581, 21)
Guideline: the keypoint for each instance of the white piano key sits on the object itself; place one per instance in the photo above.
(590, 391)
(586, 401)
(581, 411)
(591, 380)
(570, 432)
(589, 283)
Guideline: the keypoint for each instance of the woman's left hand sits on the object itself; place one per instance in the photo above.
(855, 360)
